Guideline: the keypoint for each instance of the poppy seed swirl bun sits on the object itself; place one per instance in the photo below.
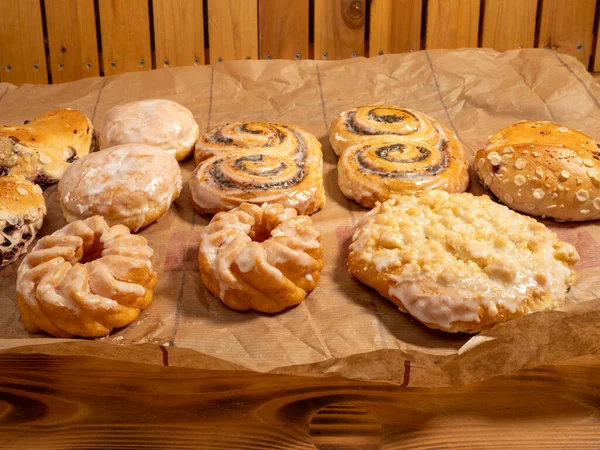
(387, 151)
(257, 163)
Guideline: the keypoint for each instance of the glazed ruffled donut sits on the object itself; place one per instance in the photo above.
(159, 123)
(265, 258)
(85, 280)
(459, 262)
(387, 151)
(43, 148)
(257, 162)
(22, 212)
(131, 185)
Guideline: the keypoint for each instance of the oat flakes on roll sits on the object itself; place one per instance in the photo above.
(460, 263)
(42, 149)
(266, 258)
(543, 169)
(159, 123)
(131, 185)
(387, 151)
(22, 212)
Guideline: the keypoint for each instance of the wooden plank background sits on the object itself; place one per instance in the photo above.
(55, 41)
(78, 402)
(72, 44)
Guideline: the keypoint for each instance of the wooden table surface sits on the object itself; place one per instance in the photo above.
(58, 402)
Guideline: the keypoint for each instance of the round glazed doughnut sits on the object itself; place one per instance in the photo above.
(43, 148)
(265, 258)
(257, 162)
(85, 279)
(131, 185)
(22, 212)
(159, 123)
(459, 262)
(543, 169)
(387, 151)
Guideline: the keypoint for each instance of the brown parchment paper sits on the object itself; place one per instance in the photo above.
(343, 327)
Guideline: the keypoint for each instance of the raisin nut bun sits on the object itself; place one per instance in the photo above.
(42, 149)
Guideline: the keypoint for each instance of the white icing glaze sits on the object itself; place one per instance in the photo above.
(156, 122)
(120, 183)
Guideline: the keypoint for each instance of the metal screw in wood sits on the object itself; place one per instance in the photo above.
(8, 67)
(297, 56)
(380, 52)
(166, 63)
(268, 56)
(324, 55)
(88, 65)
(142, 62)
(36, 66)
(113, 64)
(579, 47)
(61, 66)
(353, 54)
(196, 60)
(219, 59)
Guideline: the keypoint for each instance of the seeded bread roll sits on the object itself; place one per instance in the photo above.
(22, 212)
(543, 169)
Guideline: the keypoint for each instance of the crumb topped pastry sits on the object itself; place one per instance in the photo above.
(387, 151)
(458, 262)
(543, 169)
(22, 212)
(264, 258)
(43, 148)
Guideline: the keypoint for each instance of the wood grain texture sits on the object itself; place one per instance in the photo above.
(178, 32)
(339, 28)
(567, 27)
(81, 402)
(71, 26)
(22, 53)
(395, 26)
(232, 29)
(125, 31)
(508, 24)
(452, 23)
(283, 29)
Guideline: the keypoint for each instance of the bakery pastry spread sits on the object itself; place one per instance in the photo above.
(459, 262)
(43, 148)
(156, 122)
(543, 169)
(265, 258)
(85, 280)
(131, 184)
(257, 162)
(22, 212)
(387, 151)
